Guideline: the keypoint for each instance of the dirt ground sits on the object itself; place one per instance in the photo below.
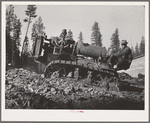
(28, 90)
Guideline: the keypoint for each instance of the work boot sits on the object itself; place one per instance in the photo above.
(115, 67)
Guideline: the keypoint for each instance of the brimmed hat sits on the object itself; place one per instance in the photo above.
(124, 42)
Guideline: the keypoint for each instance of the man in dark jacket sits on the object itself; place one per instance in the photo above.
(124, 57)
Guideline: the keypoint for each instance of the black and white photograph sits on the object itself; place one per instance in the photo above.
(75, 61)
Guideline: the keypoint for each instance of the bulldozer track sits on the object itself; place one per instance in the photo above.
(76, 64)
(100, 76)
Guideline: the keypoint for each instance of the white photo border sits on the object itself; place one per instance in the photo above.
(67, 115)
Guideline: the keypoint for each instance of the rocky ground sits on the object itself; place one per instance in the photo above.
(29, 90)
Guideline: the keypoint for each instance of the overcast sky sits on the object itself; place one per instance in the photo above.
(129, 19)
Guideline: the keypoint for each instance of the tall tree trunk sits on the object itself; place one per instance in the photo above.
(22, 53)
(26, 34)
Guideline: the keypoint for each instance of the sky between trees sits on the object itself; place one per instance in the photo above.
(130, 20)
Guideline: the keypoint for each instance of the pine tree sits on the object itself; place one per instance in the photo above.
(115, 42)
(16, 40)
(13, 32)
(133, 52)
(80, 37)
(96, 36)
(30, 12)
(37, 28)
(9, 28)
(142, 46)
(137, 50)
(69, 35)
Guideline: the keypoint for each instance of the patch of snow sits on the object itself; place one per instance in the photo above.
(137, 66)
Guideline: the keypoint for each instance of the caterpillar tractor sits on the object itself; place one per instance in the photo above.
(63, 57)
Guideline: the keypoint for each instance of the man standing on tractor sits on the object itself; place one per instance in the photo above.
(124, 58)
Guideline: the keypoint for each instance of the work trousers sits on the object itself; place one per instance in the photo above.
(122, 63)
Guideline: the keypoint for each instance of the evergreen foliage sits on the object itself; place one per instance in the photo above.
(37, 29)
(139, 48)
(80, 37)
(31, 13)
(13, 32)
(142, 46)
(137, 53)
(115, 42)
(96, 37)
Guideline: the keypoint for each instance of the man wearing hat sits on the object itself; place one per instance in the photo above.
(124, 57)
